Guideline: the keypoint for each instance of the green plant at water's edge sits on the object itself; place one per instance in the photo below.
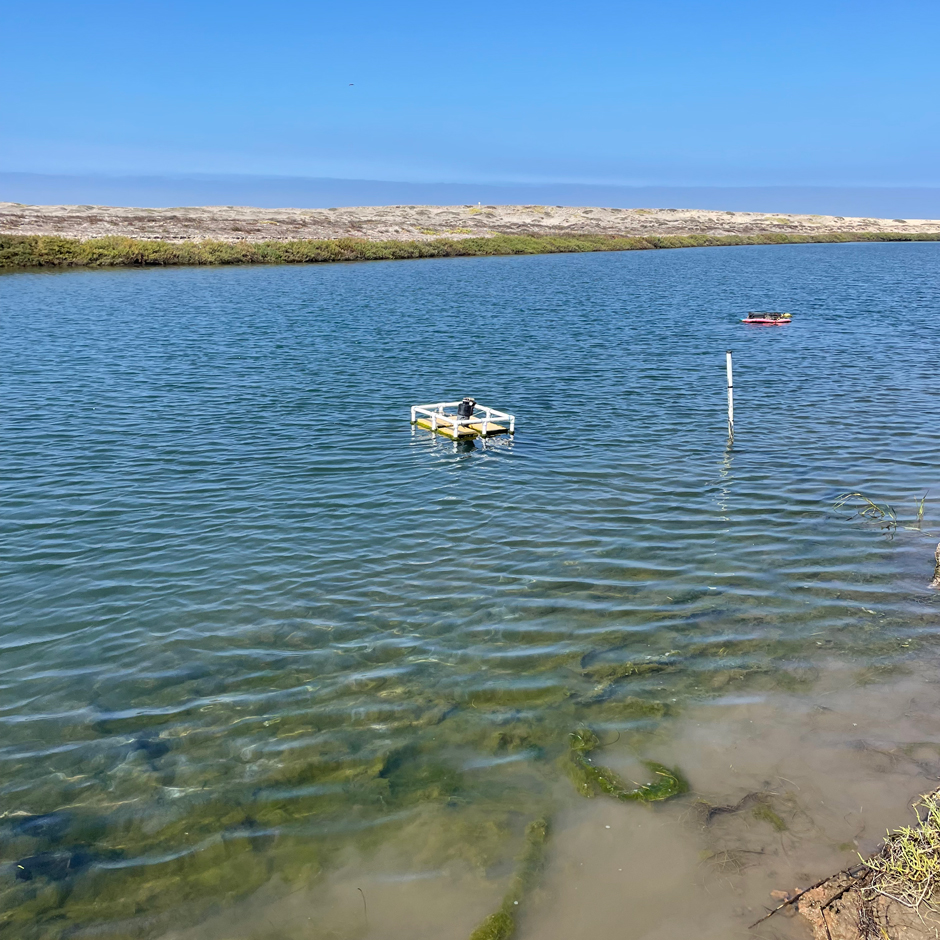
(25, 251)
(591, 778)
(881, 514)
(884, 516)
(502, 924)
(907, 869)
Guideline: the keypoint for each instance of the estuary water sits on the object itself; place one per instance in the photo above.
(275, 664)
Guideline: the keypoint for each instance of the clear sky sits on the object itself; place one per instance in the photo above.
(666, 92)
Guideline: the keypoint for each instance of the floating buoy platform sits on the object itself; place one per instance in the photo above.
(462, 420)
(767, 319)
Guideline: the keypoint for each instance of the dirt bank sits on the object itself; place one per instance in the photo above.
(892, 895)
(422, 223)
(843, 908)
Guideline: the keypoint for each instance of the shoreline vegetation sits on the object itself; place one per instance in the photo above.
(53, 251)
(891, 895)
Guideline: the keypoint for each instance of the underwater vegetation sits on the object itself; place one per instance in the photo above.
(176, 812)
(352, 767)
(590, 778)
(168, 800)
(501, 925)
(766, 813)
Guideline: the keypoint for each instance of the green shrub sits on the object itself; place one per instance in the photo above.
(40, 251)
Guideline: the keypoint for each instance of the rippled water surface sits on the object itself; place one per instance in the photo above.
(260, 637)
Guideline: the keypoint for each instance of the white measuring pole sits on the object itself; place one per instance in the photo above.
(730, 398)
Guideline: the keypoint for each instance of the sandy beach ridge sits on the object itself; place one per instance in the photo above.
(235, 224)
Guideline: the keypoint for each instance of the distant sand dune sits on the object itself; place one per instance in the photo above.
(420, 223)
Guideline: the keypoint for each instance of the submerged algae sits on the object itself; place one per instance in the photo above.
(765, 812)
(351, 765)
(591, 778)
(501, 925)
(319, 786)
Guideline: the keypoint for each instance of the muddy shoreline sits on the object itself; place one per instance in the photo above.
(234, 224)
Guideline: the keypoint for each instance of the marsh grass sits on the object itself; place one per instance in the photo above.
(40, 251)
(907, 869)
(882, 515)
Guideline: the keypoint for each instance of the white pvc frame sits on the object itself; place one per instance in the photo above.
(437, 415)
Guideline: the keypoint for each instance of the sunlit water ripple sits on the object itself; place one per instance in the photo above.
(250, 618)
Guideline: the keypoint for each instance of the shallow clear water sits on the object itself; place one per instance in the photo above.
(257, 631)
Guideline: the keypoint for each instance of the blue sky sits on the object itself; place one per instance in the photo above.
(662, 92)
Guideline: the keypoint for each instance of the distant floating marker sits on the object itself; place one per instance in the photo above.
(767, 319)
